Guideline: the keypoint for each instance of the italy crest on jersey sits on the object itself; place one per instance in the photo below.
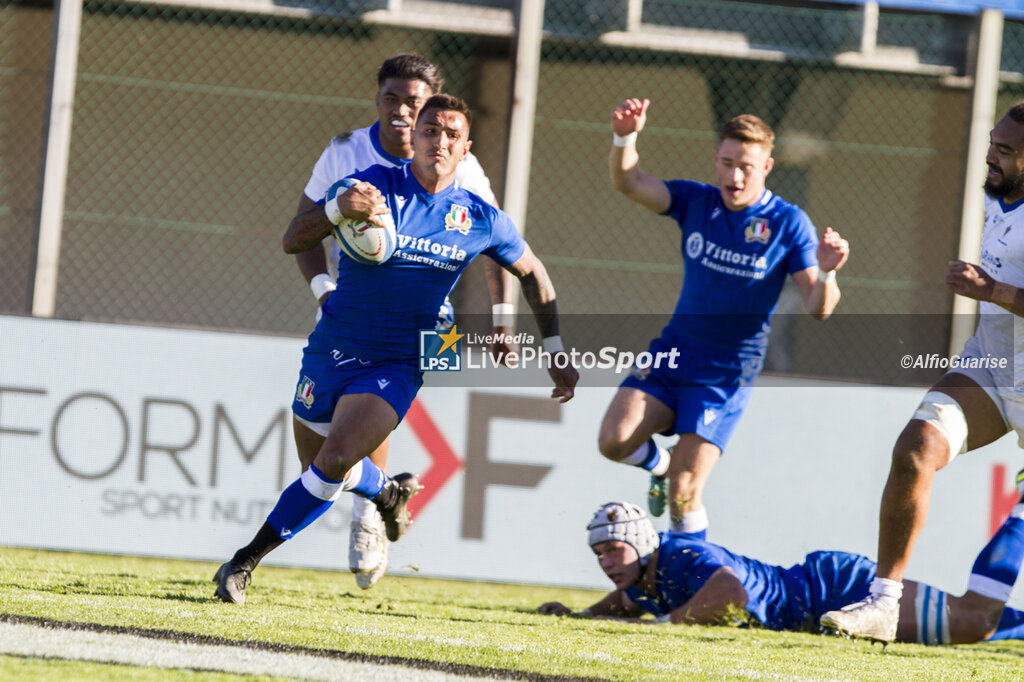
(757, 231)
(458, 219)
(304, 393)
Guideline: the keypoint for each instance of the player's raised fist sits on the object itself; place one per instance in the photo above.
(833, 250)
(969, 280)
(630, 116)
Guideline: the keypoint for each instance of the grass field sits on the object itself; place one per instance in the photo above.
(482, 629)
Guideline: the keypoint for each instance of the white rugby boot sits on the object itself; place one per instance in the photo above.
(866, 619)
(367, 544)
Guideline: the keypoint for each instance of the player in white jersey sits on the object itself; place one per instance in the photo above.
(404, 83)
(975, 403)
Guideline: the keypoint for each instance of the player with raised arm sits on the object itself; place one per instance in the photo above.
(683, 579)
(739, 243)
(360, 368)
(404, 82)
(969, 407)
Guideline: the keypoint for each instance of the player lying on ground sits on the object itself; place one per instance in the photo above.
(682, 579)
(360, 370)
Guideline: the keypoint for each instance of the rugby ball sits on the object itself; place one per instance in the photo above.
(360, 240)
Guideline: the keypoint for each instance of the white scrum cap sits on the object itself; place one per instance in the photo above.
(624, 522)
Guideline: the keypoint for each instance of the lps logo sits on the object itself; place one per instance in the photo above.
(440, 352)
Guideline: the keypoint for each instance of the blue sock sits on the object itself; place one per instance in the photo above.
(365, 479)
(997, 566)
(303, 502)
(1011, 625)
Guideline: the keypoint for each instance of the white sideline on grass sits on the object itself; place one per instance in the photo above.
(82, 645)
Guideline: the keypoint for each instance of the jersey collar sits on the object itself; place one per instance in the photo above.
(1010, 207)
(379, 148)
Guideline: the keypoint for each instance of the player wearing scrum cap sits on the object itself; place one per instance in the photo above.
(682, 579)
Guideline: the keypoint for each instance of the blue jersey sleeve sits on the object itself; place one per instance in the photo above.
(684, 565)
(683, 192)
(686, 569)
(803, 252)
(507, 245)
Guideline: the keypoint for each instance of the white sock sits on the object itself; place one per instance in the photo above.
(887, 592)
(692, 521)
(655, 461)
(353, 476)
(661, 468)
(364, 509)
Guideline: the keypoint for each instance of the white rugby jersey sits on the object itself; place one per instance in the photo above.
(1000, 333)
(357, 150)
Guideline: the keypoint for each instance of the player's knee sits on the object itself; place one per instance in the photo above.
(612, 444)
(334, 459)
(921, 448)
(935, 435)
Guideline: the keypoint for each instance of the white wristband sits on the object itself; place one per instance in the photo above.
(826, 277)
(322, 284)
(553, 344)
(503, 314)
(664, 619)
(332, 211)
(623, 140)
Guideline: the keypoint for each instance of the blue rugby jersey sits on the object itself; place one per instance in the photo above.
(378, 310)
(735, 264)
(359, 149)
(779, 598)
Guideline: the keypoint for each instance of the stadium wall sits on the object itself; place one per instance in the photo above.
(195, 130)
(176, 443)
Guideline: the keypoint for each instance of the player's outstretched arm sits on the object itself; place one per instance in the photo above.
(628, 120)
(613, 605)
(540, 295)
(818, 284)
(971, 281)
(722, 592)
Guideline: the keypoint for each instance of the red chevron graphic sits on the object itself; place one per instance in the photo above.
(1003, 500)
(444, 462)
